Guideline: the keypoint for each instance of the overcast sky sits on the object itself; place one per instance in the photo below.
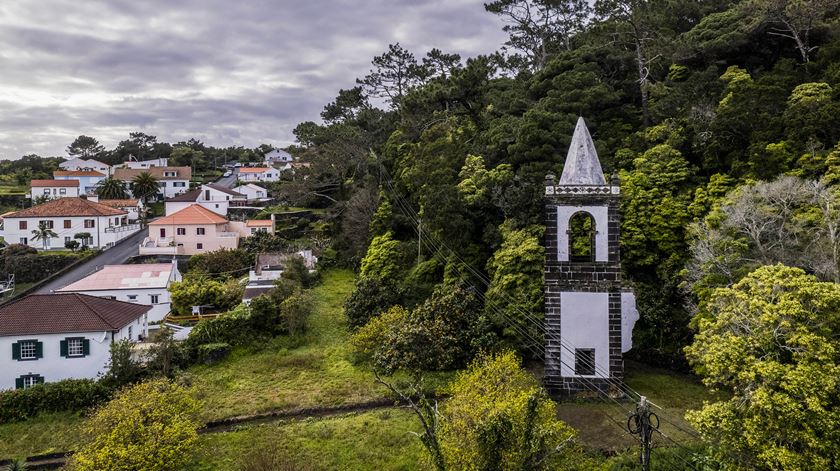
(228, 72)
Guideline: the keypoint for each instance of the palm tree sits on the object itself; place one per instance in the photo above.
(111, 189)
(43, 233)
(144, 185)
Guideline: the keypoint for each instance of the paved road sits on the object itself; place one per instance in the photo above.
(116, 255)
(229, 181)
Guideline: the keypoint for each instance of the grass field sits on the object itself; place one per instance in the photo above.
(13, 189)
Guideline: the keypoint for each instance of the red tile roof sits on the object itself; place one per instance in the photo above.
(125, 203)
(192, 214)
(258, 223)
(51, 183)
(77, 173)
(68, 207)
(253, 169)
(66, 313)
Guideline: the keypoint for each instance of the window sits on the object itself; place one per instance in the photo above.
(155, 298)
(169, 174)
(199, 246)
(179, 184)
(68, 224)
(62, 191)
(22, 225)
(47, 224)
(585, 361)
(24, 241)
(581, 238)
(130, 334)
(207, 195)
(67, 239)
(199, 231)
(217, 206)
(27, 350)
(132, 297)
(90, 223)
(27, 381)
(75, 347)
(46, 191)
(181, 231)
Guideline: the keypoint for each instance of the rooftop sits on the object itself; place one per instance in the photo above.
(254, 169)
(68, 207)
(582, 166)
(192, 214)
(66, 313)
(77, 173)
(221, 188)
(124, 203)
(258, 223)
(153, 275)
(51, 183)
(188, 197)
(128, 174)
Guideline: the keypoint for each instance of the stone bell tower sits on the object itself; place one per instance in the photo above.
(589, 315)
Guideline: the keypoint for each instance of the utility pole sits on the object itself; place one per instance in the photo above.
(419, 238)
(643, 423)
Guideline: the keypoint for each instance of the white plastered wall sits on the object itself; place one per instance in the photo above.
(599, 215)
(585, 323)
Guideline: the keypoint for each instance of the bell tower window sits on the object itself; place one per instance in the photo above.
(581, 236)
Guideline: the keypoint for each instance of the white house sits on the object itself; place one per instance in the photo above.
(52, 189)
(85, 165)
(50, 337)
(88, 179)
(139, 283)
(133, 206)
(140, 164)
(67, 217)
(216, 198)
(172, 180)
(252, 192)
(259, 174)
(269, 266)
(278, 156)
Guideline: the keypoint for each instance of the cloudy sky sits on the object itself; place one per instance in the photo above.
(228, 72)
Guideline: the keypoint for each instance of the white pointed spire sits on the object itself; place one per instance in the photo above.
(582, 165)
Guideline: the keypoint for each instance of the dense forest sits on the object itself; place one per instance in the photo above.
(696, 106)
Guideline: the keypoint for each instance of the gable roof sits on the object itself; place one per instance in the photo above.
(123, 203)
(252, 186)
(582, 166)
(222, 188)
(192, 214)
(151, 275)
(66, 312)
(258, 223)
(186, 197)
(77, 173)
(51, 183)
(68, 207)
(254, 169)
(128, 174)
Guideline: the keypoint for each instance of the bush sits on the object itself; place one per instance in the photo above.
(122, 368)
(369, 337)
(369, 298)
(202, 292)
(233, 327)
(295, 270)
(28, 266)
(213, 353)
(226, 262)
(66, 395)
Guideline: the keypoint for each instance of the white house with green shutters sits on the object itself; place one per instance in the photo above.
(50, 337)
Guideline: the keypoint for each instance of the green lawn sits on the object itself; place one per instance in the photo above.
(46, 433)
(378, 440)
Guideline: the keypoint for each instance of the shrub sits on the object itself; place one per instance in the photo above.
(226, 262)
(202, 292)
(233, 327)
(295, 269)
(295, 311)
(66, 395)
(122, 368)
(369, 298)
(28, 266)
(370, 336)
(212, 353)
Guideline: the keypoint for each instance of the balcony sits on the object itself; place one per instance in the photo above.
(123, 228)
(163, 246)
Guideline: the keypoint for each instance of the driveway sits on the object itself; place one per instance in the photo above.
(230, 181)
(116, 255)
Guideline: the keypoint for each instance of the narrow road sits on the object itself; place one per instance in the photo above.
(114, 256)
(230, 181)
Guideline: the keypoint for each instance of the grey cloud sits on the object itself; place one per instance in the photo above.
(229, 72)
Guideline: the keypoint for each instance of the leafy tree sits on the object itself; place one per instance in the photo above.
(144, 186)
(191, 292)
(394, 73)
(516, 284)
(770, 341)
(498, 417)
(369, 298)
(84, 237)
(122, 368)
(263, 242)
(111, 189)
(44, 234)
(72, 245)
(225, 262)
(150, 426)
(386, 259)
(164, 355)
(796, 20)
(85, 147)
(295, 269)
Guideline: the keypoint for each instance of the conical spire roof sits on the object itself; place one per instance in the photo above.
(582, 165)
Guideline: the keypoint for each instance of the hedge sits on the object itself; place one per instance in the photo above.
(66, 395)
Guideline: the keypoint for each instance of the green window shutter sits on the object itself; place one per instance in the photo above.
(16, 351)
(39, 379)
(39, 349)
(63, 348)
(19, 382)
(86, 347)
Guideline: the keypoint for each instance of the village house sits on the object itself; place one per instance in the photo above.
(216, 198)
(278, 156)
(51, 189)
(259, 174)
(150, 163)
(67, 217)
(171, 180)
(88, 179)
(50, 337)
(133, 206)
(252, 193)
(85, 165)
(269, 268)
(139, 283)
(192, 230)
(259, 225)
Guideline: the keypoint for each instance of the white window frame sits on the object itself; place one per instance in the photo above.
(30, 347)
(76, 347)
(29, 381)
(155, 298)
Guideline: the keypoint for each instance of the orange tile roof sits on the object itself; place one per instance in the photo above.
(51, 183)
(253, 169)
(192, 214)
(67, 207)
(77, 173)
(258, 222)
(124, 203)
